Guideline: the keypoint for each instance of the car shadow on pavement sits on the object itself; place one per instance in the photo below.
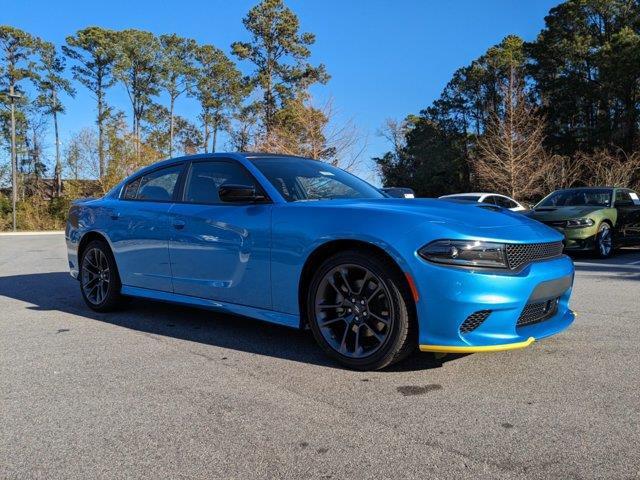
(624, 265)
(57, 291)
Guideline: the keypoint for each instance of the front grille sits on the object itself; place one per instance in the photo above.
(556, 223)
(523, 254)
(537, 312)
(474, 320)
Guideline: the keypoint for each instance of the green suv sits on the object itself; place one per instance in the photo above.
(592, 219)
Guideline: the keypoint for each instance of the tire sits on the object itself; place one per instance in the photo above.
(99, 278)
(361, 311)
(603, 247)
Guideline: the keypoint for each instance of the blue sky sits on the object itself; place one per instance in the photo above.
(386, 58)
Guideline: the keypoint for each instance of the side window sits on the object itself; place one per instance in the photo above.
(634, 197)
(206, 178)
(131, 189)
(489, 199)
(158, 186)
(505, 202)
(623, 198)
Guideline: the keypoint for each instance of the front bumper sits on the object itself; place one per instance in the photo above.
(448, 296)
(576, 239)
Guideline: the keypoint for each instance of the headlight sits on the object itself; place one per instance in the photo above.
(467, 253)
(580, 223)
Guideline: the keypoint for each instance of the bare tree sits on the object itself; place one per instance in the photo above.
(613, 169)
(395, 132)
(315, 133)
(561, 172)
(81, 155)
(510, 155)
(244, 129)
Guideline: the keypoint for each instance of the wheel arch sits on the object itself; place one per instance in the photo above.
(88, 238)
(324, 251)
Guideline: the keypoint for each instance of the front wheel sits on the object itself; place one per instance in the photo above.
(99, 279)
(604, 241)
(360, 312)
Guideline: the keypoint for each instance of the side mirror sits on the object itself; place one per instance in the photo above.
(239, 193)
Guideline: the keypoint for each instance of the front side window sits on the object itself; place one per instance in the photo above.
(596, 197)
(489, 199)
(131, 189)
(623, 198)
(205, 178)
(301, 179)
(158, 186)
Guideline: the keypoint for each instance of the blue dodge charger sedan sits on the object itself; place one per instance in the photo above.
(300, 243)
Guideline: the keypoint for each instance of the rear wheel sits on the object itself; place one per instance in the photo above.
(99, 278)
(359, 310)
(604, 241)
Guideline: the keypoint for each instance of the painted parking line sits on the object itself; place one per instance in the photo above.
(628, 266)
(28, 234)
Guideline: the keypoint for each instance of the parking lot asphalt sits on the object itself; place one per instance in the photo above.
(161, 391)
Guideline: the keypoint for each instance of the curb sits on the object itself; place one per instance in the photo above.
(24, 234)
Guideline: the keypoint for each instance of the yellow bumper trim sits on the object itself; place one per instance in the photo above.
(478, 349)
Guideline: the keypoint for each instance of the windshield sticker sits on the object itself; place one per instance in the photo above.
(634, 197)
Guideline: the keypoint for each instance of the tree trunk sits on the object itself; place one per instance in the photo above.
(215, 137)
(14, 159)
(171, 126)
(101, 165)
(206, 137)
(268, 98)
(58, 170)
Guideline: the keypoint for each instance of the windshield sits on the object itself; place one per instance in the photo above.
(592, 197)
(302, 179)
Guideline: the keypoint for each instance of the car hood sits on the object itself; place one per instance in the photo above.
(433, 210)
(562, 213)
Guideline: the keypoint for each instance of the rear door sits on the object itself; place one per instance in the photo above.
(140, 229)
(627, 204)
(221, 251)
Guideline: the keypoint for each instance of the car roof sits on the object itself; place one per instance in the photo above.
(232, 155)
(265, 156)
(590, 188)
(474, 194)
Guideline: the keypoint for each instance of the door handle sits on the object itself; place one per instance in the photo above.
(114, 215)
(179, 224)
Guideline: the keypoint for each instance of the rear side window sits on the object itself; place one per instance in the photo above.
(491, 200)
(158, 186)
(205, 178)
(505, 202)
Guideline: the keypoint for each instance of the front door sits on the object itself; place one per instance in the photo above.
(628, 224)
(220, 251)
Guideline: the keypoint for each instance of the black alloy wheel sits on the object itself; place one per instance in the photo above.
(360, 311)
(99, 279)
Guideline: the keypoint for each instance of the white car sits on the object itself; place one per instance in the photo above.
(489, 198)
